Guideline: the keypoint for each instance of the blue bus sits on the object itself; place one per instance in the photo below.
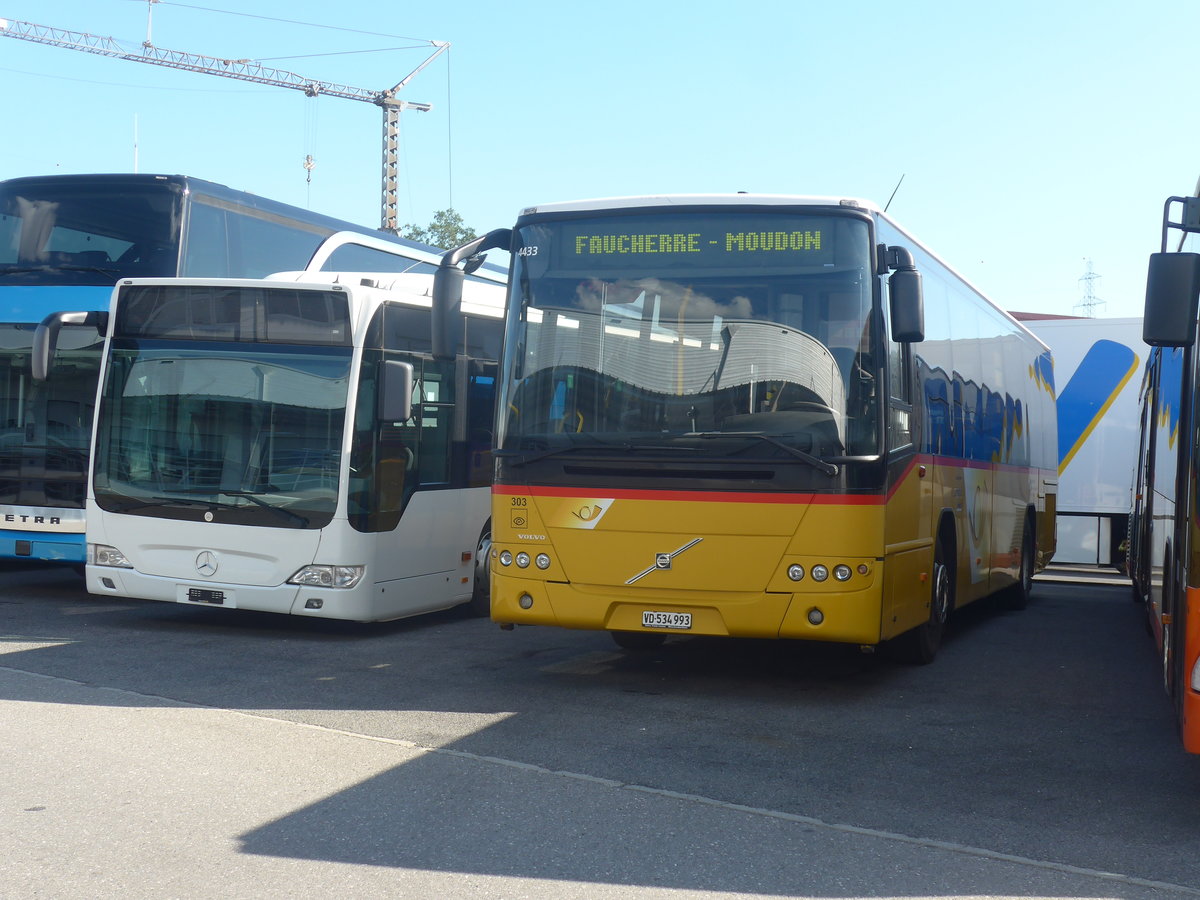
(65, 240)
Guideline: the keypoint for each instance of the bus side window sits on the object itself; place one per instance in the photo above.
(899, 422)
(205, 246)
(433, 421)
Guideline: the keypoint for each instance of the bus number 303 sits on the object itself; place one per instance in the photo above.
(652, 619)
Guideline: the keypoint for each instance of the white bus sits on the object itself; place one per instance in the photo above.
(293, 447)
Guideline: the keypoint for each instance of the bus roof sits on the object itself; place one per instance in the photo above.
(188, 184)
(660, 200)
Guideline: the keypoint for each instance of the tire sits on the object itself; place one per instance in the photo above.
(919, 646)
(1017, 596)
(1135, 590)
(638, 641)
(480, 603)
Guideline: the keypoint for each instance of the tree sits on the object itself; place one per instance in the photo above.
(446, 230)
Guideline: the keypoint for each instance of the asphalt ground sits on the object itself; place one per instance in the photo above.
(156, 750)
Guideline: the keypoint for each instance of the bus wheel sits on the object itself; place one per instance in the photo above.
(480, 603)
(1135, 589)
(638, 640)
(1017, 596)
(920, 645)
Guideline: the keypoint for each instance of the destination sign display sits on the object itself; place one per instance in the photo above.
(702, 242)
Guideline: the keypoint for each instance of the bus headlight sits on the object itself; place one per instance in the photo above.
(104, 555)
(819, 573)
(522, 560)
(505, 558)
(796, 572)
(842, 573)
(542, 561)
(328, 576)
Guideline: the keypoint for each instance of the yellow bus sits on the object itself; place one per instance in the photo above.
(757, 416)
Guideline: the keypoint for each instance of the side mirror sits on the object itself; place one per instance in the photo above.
(907, 304)
(447, 305)
(448, 286)
(1172, 291)
(45, 338)
(395, 391)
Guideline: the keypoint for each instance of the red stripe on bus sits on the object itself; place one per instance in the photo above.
(693, 496)
(757, 497)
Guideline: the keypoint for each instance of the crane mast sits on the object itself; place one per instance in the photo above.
(248, 70)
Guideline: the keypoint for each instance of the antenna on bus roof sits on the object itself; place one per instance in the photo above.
(893, 197)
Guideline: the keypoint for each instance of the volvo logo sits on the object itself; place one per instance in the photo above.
(206, 563)
(663, 560)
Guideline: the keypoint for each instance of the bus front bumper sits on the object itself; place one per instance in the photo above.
(825, 615)
(328, 603)
(42, 546)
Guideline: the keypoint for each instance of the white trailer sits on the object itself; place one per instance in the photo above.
(1097, 366)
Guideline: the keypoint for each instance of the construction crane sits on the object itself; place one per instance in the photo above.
(248, 70)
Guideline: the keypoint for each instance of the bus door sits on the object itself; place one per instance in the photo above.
(907, 511)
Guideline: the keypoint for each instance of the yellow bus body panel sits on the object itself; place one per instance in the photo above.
(724, 559)
(726, 563)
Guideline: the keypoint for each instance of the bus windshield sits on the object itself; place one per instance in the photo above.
(66, 233)
(728, 333)
(226, 403)
(253, 435)
(45, 426)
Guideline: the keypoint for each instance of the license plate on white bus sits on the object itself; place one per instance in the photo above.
(652, 619)
(200, 595)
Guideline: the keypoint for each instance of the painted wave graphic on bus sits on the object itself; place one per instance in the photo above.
(1042, 373)
(1170, 383)
(1104, 372)
(969, 421)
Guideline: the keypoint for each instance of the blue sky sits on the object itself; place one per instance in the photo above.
(1032, 137)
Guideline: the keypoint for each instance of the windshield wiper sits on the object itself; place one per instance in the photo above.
(103, 270)
(25, 270)
(259, 501)
(287, 514)
(522, 458)
(828, 468)
(130, 503)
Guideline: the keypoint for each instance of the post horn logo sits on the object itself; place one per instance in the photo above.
(588, 512)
